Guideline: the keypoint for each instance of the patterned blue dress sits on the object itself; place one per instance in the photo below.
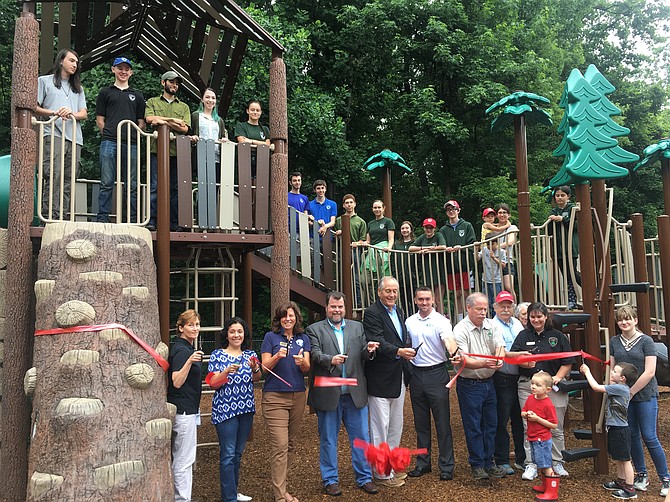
(237, 395)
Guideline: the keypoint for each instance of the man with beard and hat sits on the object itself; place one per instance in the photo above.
(167, 109)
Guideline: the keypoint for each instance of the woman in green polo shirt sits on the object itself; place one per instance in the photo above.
(380, 241)
(252, 131)
(403, 266)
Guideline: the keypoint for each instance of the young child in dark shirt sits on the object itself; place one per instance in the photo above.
(622, 376)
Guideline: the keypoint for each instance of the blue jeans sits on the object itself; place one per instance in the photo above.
(491, 290)
(356, 422)
(108, 178)
(233, 434)
(508, 410)
(173, 191)
(477, 400)
(642, 416)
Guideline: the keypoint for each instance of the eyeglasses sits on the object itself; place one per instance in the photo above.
(503, 212)
(505, 307)
(451, 209)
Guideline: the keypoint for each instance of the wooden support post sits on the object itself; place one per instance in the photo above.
(163, 232)
(387, 198)
(523, 203)
(247, 288)
(345, 257)
(663, 223)
(641, 275)
(591, 327)
(20, 311)
(665, 173)
(281, 270)
(603, 257)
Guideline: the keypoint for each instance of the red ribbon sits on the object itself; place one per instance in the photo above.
(527, 359)
(208, 381)
(270, 371)
(540, 357)
(323, 381)
(384, 459)
(99, 327)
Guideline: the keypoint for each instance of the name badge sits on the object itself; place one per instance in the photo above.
(530, 343)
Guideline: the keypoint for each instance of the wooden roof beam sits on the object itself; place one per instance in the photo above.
(231, 77)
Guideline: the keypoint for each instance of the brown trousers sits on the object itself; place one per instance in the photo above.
(282, 412)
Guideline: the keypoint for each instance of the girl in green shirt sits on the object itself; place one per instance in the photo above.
(380, 239)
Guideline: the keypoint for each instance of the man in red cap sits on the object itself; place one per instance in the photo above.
(505, 381)
(427, 244)
(458, 233)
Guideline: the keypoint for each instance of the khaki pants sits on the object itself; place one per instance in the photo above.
(282, 412)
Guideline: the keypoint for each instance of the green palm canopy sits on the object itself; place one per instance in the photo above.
(519, 103)
(386, 158)
(652, 153)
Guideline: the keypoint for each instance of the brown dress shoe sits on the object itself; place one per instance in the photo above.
(333, 490)
(369, 488)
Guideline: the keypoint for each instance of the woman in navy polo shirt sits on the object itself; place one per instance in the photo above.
(285, 351)
(540, 337)
(234, 368)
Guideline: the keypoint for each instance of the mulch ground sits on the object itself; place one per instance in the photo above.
(305, 478)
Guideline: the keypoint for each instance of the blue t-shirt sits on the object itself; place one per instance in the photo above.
(300, 202)
(236, 396)
(286, 367)
(323, 211)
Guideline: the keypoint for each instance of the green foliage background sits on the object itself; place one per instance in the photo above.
(415, 76)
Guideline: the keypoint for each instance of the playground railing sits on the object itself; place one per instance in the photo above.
(231, 195)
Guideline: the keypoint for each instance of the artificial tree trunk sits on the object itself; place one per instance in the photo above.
(100, 428)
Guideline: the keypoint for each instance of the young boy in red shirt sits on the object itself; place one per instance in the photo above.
(540, 413)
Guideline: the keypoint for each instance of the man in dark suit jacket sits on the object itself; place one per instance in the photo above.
(388, 372)
(339, 349)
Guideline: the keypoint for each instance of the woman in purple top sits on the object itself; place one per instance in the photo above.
(634, 347)
(285, 351)
(233, 370)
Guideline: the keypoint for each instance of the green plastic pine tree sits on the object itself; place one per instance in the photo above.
(594, 152)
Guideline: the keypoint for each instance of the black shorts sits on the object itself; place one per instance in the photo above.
(618, 442)
(509, 269)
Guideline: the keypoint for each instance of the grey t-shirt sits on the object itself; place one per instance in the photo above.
(52, 98)
(643, 347)
(618, 397)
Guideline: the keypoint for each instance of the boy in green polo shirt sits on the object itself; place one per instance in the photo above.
(358, 230)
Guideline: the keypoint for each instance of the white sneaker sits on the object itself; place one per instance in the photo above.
(641, 482)
(243, 498)
(560, 470)
(530, 473)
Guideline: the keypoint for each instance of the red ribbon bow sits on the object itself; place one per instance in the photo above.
(384, 459)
